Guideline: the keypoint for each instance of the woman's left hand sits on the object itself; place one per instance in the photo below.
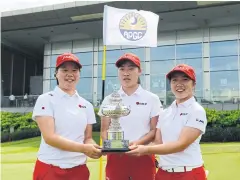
(137, 150)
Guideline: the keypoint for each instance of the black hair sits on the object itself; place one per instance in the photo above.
(195, 98)
(139, 80)
(55, 75)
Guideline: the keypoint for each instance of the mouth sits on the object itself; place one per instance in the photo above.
(127, 79)
(180, 90)
(69, 80)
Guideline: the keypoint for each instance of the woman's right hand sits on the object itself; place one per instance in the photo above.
(92, 150)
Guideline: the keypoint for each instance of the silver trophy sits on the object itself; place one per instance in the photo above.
(115, 136)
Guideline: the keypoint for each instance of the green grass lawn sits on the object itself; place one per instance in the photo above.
(17, 158)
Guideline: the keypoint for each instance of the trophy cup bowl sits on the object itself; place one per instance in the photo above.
(115, 136)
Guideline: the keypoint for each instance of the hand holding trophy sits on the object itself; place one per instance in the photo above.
(115, 135)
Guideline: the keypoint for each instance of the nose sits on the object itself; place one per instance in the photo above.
(126, 73)
(179, 83)
(70, 74)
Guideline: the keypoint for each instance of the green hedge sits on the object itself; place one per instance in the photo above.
(18, 135)
(219, 134)
(17, 120)
(223, 118)
(222, 126)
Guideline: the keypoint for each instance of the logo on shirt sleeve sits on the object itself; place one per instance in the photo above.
(199, 120)
(183, 114)
(141, 103)
(81, 106)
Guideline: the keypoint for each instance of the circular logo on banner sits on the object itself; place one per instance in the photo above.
(133, 26)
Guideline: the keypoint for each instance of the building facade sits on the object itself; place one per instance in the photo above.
(205, 35)
(213, 52)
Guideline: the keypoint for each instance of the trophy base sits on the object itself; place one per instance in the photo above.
(115, 146)
(115, 150)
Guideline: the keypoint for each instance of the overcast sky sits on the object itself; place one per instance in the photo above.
(9, 5)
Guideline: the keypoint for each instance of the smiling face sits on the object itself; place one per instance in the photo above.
(68, 75)
(128, 74)
(182, 86)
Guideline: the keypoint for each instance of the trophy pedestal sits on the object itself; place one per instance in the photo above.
(115, 146)
(115, 143)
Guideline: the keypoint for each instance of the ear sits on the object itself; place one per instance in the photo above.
(55, 74)
(194, 85)
(139, 71)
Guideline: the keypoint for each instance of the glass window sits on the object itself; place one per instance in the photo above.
(158, 82)
(30, 71)
(142, 81)
(195, 63)
(158, 85)
(109, 84)
(223, 48)
(6, 68)
(224, 84)
(111, 70)
(53, 84)
(162, 53)
(52, 72)
(189, 51)
(113, 55)
(224, 63)
(18, 72)
(224, 79)
(86, 71)
(161, 67)
(199, 84)
(85, 58)
(53, 60)
(84, 88)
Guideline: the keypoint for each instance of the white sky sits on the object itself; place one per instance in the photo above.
(9, 5)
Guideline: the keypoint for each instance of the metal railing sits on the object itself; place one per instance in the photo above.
(218, 103)
(19, 101)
